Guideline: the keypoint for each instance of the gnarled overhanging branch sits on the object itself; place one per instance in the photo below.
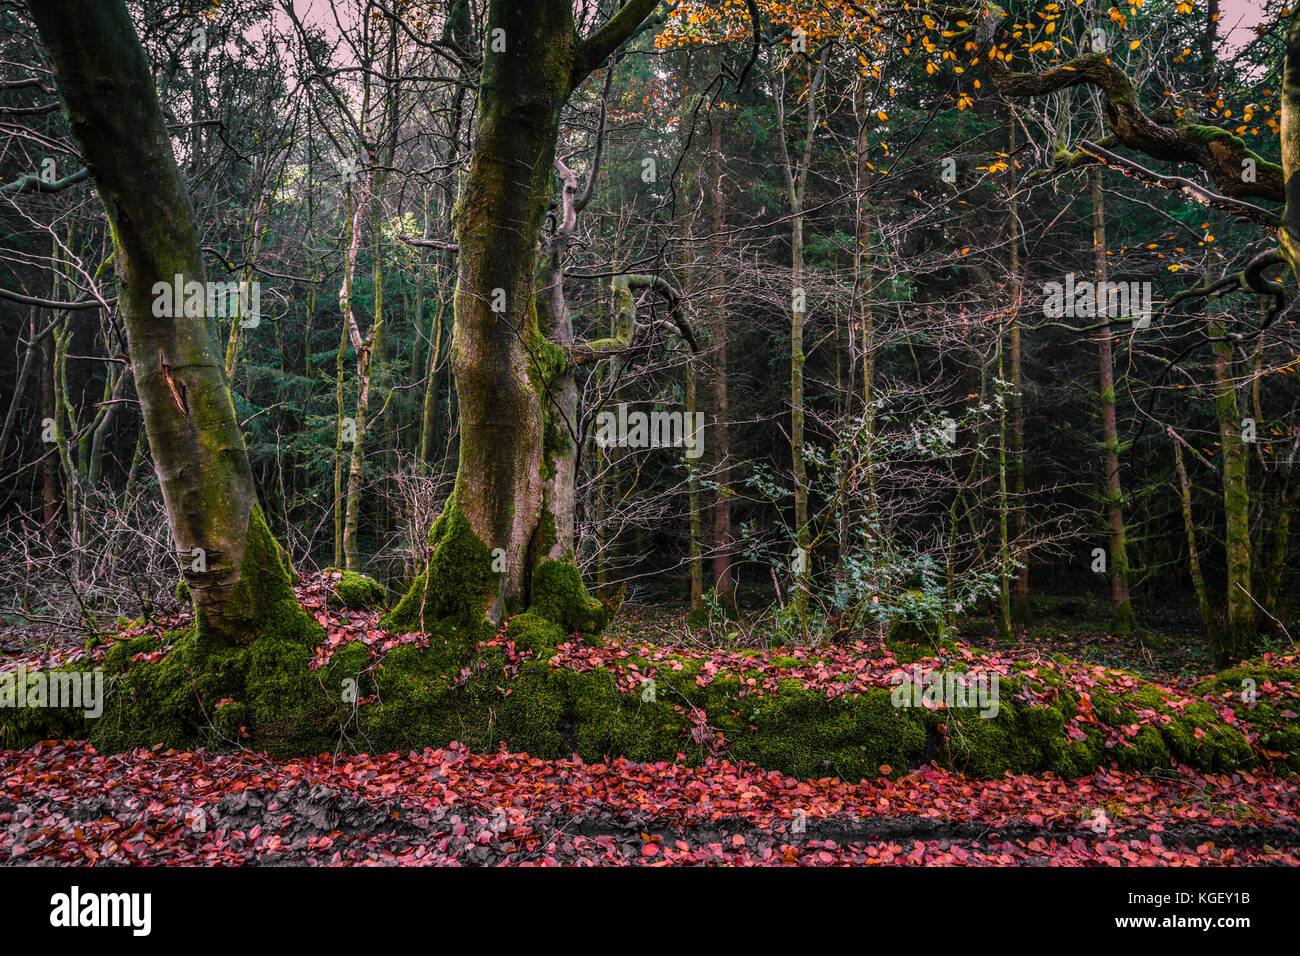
(1164, 134)
(1161, 135)
(1249, 279)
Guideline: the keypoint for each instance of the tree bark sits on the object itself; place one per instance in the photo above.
(796, 183)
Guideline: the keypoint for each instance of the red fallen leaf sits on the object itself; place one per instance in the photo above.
(649, 850)
(737, 840)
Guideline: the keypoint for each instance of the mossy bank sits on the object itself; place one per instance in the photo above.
(266, 696)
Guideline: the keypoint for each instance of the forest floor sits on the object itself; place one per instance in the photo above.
(63, 803)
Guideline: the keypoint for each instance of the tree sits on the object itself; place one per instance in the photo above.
(1121, 606)
(795, 173)
(238, 574)
(504, 366)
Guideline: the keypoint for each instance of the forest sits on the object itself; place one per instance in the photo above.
(639, 433)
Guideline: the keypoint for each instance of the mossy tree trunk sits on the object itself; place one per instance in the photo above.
(1237, 638)
(1289, 233)
(556, 378)
(430, 428)
(235, 570)
(1275, 605)
(494, 532)
(1006, 628)
(1121, 607)
(1189, 526)
(863, 316)
(369, 347)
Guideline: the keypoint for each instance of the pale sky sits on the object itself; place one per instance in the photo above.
(1238, 19)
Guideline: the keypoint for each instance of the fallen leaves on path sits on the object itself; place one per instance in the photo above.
(63, 803)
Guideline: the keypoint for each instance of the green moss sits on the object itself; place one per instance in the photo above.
(457, 587)
(547, 362)
(262, 603)
(356, 592)
(230, 718)
(265, 696)
(1123, 621)
(23, 726)
(1217, 747)
(546, 535)
(560, 596)
(262, 695)
(535, 632)
(1213, 134)
(246, 672)
(1256, 694)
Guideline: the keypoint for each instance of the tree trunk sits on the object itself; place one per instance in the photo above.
(504, 368)
(1189, 526)
(796, 183)
(1237, 638)
(803, 537)
(1005, 627)
(1122, 609)
(1020, 593)
(238, 575)
(691, 178)
(50, 464)
(724, 585)
(693, 507)
(366, 360)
